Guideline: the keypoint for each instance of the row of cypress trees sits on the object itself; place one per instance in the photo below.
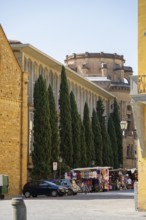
(77, 141)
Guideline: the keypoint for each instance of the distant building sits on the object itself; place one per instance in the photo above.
(108, 71)
(35, 63)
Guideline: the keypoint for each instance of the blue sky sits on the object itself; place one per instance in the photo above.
(62, 27)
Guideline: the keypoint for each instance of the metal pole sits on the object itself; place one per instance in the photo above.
(60, 170)
(19, 209)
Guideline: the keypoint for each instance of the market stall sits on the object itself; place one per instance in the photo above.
(90, 179)
(121, 178)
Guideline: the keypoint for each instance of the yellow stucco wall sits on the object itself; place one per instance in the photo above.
(141, 37)
(13, 118)
(142, 71)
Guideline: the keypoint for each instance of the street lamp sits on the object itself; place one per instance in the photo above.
(123, 125)
(60, 161)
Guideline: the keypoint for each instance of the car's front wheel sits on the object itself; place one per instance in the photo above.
(34, 195)
(70, 192)
(27, 194)
(54, 193)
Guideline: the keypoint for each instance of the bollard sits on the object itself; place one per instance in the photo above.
(136, 195)
(19, 209)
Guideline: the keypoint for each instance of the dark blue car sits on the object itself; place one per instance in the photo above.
(43, 187)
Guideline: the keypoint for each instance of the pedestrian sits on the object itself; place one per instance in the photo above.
(82, 186)
(86, 188)
(129, 183)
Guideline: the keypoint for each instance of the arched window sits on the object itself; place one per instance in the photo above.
(40, 70)
(129, 107)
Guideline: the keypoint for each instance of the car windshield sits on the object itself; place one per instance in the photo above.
(50, 183)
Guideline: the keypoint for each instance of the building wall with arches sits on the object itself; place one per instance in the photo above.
(35, 63)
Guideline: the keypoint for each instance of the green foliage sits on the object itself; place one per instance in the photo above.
(113, 138)
(83, 146)
(116, 120)
(66, 147)
(105, 139)
(54, 127)
(41, 155)
(88, 136)
(97, 137)
(111, 159)
(75, 132)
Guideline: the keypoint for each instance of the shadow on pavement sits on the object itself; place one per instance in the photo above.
(92, 196)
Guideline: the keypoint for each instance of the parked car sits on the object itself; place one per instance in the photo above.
(43, 187)
(73, 188)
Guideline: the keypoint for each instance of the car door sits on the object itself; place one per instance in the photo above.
(43, 188)
(34, 188)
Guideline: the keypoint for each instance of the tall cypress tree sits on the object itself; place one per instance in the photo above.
(113, 138)
(111, 159)
(104, 133)
(42, 131)
(54, 127)
(75, 132)
(66, 147)
(116, 120)
(97, 138)
(83, 146)
(88, 136)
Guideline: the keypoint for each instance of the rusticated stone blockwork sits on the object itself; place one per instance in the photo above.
(13, 118)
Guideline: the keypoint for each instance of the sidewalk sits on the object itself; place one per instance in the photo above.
(119, 205)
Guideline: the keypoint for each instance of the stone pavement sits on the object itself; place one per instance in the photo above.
(116, 205)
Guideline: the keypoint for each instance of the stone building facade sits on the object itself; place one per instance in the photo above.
(13, 118)
(36, 62)
(108, 71)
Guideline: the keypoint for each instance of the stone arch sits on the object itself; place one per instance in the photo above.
(68, 81)
(87, 97)
(73, 88)
(34, 77)
(46, 76)
(75, 91)
(70, 86)
(25, 64)
(35, 72)
(79, 99)
(55, 89)
(77, 95)
(82, 101)
(41, 70)
(30, 81)
(51, 78)
(92, 98)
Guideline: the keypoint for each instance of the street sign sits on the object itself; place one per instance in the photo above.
(54, 166)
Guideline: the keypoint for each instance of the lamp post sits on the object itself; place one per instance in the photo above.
(123, 125)
(60, 161)
(54, 169)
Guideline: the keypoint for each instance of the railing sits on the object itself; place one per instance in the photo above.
(131, 133)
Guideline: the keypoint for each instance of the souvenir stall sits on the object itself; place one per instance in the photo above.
(116, 178)
(90, 179)
(119, 178)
